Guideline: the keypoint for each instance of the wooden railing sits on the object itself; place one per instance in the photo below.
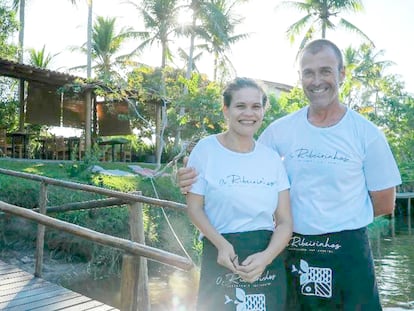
(134, 281)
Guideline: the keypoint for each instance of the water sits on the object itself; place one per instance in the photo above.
(393, 250)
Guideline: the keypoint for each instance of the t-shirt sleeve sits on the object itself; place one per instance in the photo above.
(380, 168)
(266, 138)
(283, 177)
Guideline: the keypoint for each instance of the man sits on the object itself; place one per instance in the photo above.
(342, 174)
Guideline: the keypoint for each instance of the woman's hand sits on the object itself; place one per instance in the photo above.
(252, 267)
(227, 257)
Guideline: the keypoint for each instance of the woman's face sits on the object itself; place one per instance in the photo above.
(246, 111)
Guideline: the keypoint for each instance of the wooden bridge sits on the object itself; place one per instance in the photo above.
(20, 290)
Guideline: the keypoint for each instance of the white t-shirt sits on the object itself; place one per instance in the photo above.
(332, 169)
(240, 189)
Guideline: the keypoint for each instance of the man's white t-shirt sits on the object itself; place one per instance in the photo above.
(332, 169)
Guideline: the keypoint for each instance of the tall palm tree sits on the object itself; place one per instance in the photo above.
(89, 40)
(319, 18)
(208, 16)
(219, 21)
(210, 19)
(160, 22)
(106, 44)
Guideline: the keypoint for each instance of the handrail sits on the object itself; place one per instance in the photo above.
(101, 238)
(134, 287)
(108, 192)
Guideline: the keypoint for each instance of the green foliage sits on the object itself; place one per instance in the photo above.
(41, 58)
(9, 107)
(286, 103)
(321, 17)
(13, 195)
(8, 26)
(202, 105)
(407, 175)
(380, 97)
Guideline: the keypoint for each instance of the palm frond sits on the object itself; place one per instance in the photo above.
(352, 28)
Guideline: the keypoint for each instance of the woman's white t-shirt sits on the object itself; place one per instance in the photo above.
(240, 189)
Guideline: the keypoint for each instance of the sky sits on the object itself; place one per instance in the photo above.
(265, 55)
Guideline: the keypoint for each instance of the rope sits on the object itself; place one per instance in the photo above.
(169, 223)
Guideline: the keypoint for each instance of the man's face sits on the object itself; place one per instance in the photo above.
(320, 76)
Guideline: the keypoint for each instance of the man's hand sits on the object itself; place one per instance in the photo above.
(186, 177)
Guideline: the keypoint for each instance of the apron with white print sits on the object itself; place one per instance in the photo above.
(333, 271)
(222, 290)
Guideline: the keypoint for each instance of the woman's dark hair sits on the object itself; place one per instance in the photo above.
(241, 83)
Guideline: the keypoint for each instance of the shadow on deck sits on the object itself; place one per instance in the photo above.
(20, 290)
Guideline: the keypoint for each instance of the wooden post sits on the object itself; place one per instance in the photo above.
(88, 121)
(40, 240)
(22, 105)
(134, 287)
(129, 283)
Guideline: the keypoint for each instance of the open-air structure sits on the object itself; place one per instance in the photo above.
(44, 100)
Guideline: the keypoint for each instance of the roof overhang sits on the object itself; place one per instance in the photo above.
(34, 74)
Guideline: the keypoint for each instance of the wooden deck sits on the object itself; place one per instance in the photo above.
(21, 291)
(408, 196)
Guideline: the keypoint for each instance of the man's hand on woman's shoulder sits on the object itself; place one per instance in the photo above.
(186, 177)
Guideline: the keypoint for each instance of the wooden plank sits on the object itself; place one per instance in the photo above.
(18, 299)
(19, 281)
(14, 293)
(20, 290)
(28, 288)
(45, 303)
(85, 306)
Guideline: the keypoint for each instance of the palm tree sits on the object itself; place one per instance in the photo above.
(319, 18)
(210, 19)
(40, 58)
(105, 46)
(365, 74)
(218, 22)
(160, 21)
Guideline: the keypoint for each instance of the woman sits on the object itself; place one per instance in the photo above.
(240, 203)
